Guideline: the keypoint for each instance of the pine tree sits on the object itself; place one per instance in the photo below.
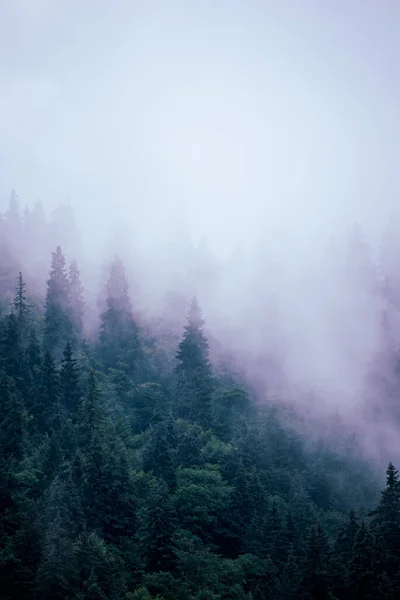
(57, 571)
(58, 325)
(91, 416)
(189, 448)
(386, 520)
(47, 409)
(119, 336)
(76, 302)
(69, 383)
(12, 356)
(362, 577)
(289, 581)
(194, 370)
(159, 539)
(159, 452)
(22, 310)
(314, 582)
(12, 420)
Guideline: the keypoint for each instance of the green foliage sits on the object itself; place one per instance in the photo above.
(118, 485)
(58, 325)
(195, 379)
(119, 342)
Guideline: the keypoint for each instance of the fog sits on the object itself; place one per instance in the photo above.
(227, 149)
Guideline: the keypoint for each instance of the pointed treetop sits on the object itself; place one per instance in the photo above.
(21, 307)
(195, 319)
(117, 288)
(57, 261)
(58, 280)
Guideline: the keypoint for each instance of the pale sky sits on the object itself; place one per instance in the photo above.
(248, 113)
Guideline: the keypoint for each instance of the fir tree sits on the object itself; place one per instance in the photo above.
(47, 409)
(159, 452)
(22, 310)
(69, 382)
(194, 369)
(386, 519)
(362, 576)
(12, 420)
(119, 335)
(57, 571)
(58, 326)
(12, 356)
(76, 302)
(314, 583)
(159, 539)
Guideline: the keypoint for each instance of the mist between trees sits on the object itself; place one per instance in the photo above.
(203, 429)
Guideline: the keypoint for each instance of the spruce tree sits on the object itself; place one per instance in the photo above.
(195, 378)
(159, 540)
(12, 356)
(119, 343)
(160, 450)
(69, 383)
(386, 521)
(362, 575)
(58, 325)
(12, 420)
(22, 310)
(314, 581)
(47, 410)
(57, 571)
(76, 302)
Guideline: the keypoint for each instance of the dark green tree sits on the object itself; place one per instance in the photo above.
(314, 580)
(119, 342)
(70, 390)
(47, 409)
(58, 325)
(22, 310)
(159, 538)
(362, 574)
(12, 420)
(76, 301)
(57, 571)
(159, 454)
(195, 377)
(386, 521)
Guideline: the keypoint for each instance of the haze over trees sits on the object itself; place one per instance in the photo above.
(147, 451)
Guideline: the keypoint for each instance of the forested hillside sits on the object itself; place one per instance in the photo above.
(133, 467)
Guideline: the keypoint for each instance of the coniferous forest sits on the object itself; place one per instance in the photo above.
(135, 466)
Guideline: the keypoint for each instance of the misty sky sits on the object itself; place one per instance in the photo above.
(248, 114)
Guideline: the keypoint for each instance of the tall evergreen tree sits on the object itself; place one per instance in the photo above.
(159, 538)
(314, 584)
(159, 452)
(76, 302)
(22, 310)
(12, 420)
(57, 571)
(119, 335)
(12, 356)
(58, 325)
(386, 519)
(69, 382)
(194, 370)
(47, 409)
(362, 575)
